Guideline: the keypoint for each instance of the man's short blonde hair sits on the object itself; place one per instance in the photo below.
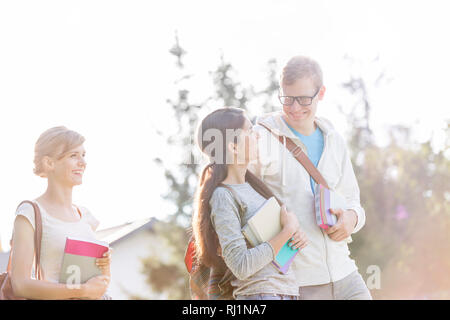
(301, 67)
(54, 142)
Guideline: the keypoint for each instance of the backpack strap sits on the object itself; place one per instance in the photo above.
(242, 207)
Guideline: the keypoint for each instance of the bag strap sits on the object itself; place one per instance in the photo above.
(37, 240)
(300, 156)
(241, 206)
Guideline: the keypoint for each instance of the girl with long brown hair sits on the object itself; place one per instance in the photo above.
(226, 137)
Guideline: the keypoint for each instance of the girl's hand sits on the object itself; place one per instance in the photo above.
(298, 240)
(105, 263)
(290, 233)
(96, 287)
(288, 220)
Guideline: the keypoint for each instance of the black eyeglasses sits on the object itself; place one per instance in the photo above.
(302, 100)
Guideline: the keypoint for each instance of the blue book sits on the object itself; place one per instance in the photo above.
(284, 258)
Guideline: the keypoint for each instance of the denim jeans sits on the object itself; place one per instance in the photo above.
(352, 287)
(266, 296)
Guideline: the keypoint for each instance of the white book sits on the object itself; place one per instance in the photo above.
(250, 236)
(264, 224)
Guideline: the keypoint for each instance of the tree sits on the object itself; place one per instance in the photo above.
(171, 276)
(229, 92)
(270, 92)
(406, 202)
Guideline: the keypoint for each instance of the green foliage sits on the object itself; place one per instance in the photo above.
(186, 115)
(271, 89)
(405, 194)
(168, 274)
(229, 92)
(404, 191)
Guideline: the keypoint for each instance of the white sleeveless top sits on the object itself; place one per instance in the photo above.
(54, 233)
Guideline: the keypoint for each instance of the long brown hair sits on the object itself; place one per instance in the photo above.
(206, 240)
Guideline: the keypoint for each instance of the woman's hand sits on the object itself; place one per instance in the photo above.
(298, 240)
(288, 220)
(96, 287)
(290, 232)
(104, 264)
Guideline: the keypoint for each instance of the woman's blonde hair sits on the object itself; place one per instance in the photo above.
(54, 142)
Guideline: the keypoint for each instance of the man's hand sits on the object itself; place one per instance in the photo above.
(346, 223)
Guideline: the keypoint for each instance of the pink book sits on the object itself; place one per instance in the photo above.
(78, 264)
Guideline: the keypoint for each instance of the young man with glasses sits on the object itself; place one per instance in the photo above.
(323, 269)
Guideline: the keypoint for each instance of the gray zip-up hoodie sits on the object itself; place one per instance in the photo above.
(323, 260)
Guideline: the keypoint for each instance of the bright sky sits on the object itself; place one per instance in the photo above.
(102, 68)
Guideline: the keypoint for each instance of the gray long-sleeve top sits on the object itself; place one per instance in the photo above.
(252, 266)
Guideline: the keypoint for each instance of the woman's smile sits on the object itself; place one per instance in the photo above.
(78, 172)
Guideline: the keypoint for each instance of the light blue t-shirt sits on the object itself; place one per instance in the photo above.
(314, 145)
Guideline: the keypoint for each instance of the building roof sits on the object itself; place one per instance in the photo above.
(116, 234)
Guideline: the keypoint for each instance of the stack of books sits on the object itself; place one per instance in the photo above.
(263, 226)
(325, 199)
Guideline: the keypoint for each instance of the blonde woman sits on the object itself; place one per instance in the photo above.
(59, 158)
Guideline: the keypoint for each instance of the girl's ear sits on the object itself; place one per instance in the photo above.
(232, 148)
